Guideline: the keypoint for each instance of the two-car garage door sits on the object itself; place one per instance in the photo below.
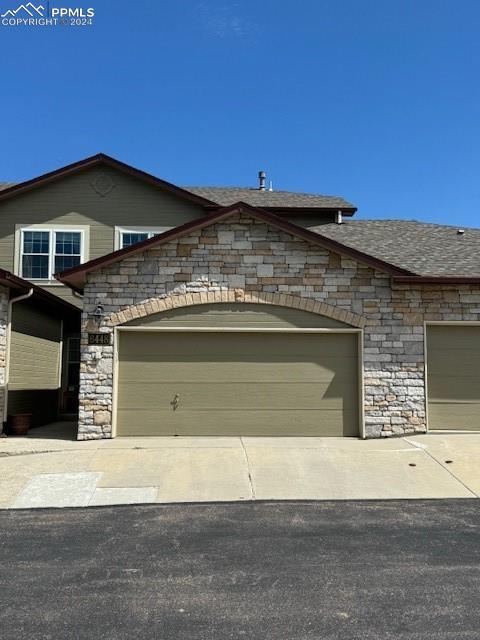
(237, 383)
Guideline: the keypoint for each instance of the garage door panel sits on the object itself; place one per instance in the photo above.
(226, 423)
(453, 377)
(230, 395)
(458, 416)
(453, 388)
(142, 421)
(453, 338)
(456, 363)
(452, 346)
(248, 345)
(233, 383)
(252, 371)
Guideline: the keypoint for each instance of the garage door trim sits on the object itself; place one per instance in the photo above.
(444, 323)
(180, 329)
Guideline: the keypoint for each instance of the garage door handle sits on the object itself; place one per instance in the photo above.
(175, 401)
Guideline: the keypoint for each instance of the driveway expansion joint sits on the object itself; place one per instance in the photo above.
(249, 471)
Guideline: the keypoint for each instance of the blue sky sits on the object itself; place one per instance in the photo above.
(375, 100)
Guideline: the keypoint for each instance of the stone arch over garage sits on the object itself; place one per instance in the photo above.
(159, 304)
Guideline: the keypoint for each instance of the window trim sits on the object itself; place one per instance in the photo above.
(119, 231)
(83, 230)
(43, 255)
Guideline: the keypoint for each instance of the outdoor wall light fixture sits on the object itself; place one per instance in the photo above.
(95, 319)
(98, 313)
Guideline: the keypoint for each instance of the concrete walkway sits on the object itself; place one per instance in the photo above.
(51, 469)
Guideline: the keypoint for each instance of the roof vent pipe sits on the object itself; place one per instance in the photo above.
(261, 180)
(338, 217)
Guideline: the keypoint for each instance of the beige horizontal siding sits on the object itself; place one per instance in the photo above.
(35, 347)
(29, 318)
(34, 363)
(65, 293)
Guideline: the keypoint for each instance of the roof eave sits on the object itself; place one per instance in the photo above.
(8, 279)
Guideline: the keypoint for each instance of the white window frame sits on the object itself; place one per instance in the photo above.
(52, 230)
(151, 231)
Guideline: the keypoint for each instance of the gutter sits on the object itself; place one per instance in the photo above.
(11, 302)
(437, 279)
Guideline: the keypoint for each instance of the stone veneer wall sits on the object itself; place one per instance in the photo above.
(246, 255)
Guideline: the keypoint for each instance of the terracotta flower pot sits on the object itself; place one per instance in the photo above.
(20, 424)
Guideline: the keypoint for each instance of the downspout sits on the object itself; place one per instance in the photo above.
(8, 337)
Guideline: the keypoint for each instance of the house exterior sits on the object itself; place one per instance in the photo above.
(228, 311)
(89, 209)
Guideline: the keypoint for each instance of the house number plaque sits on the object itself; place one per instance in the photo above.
(100, 338)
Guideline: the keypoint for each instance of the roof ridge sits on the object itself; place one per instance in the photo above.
(257, 190)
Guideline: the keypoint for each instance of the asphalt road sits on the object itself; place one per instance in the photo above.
(283, 571)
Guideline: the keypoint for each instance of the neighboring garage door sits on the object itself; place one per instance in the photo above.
(237, 383)
(453, 377)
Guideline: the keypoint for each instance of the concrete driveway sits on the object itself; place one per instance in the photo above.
(47, 471)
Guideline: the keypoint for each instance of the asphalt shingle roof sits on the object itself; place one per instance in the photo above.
(226, 196)
(424, 248)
